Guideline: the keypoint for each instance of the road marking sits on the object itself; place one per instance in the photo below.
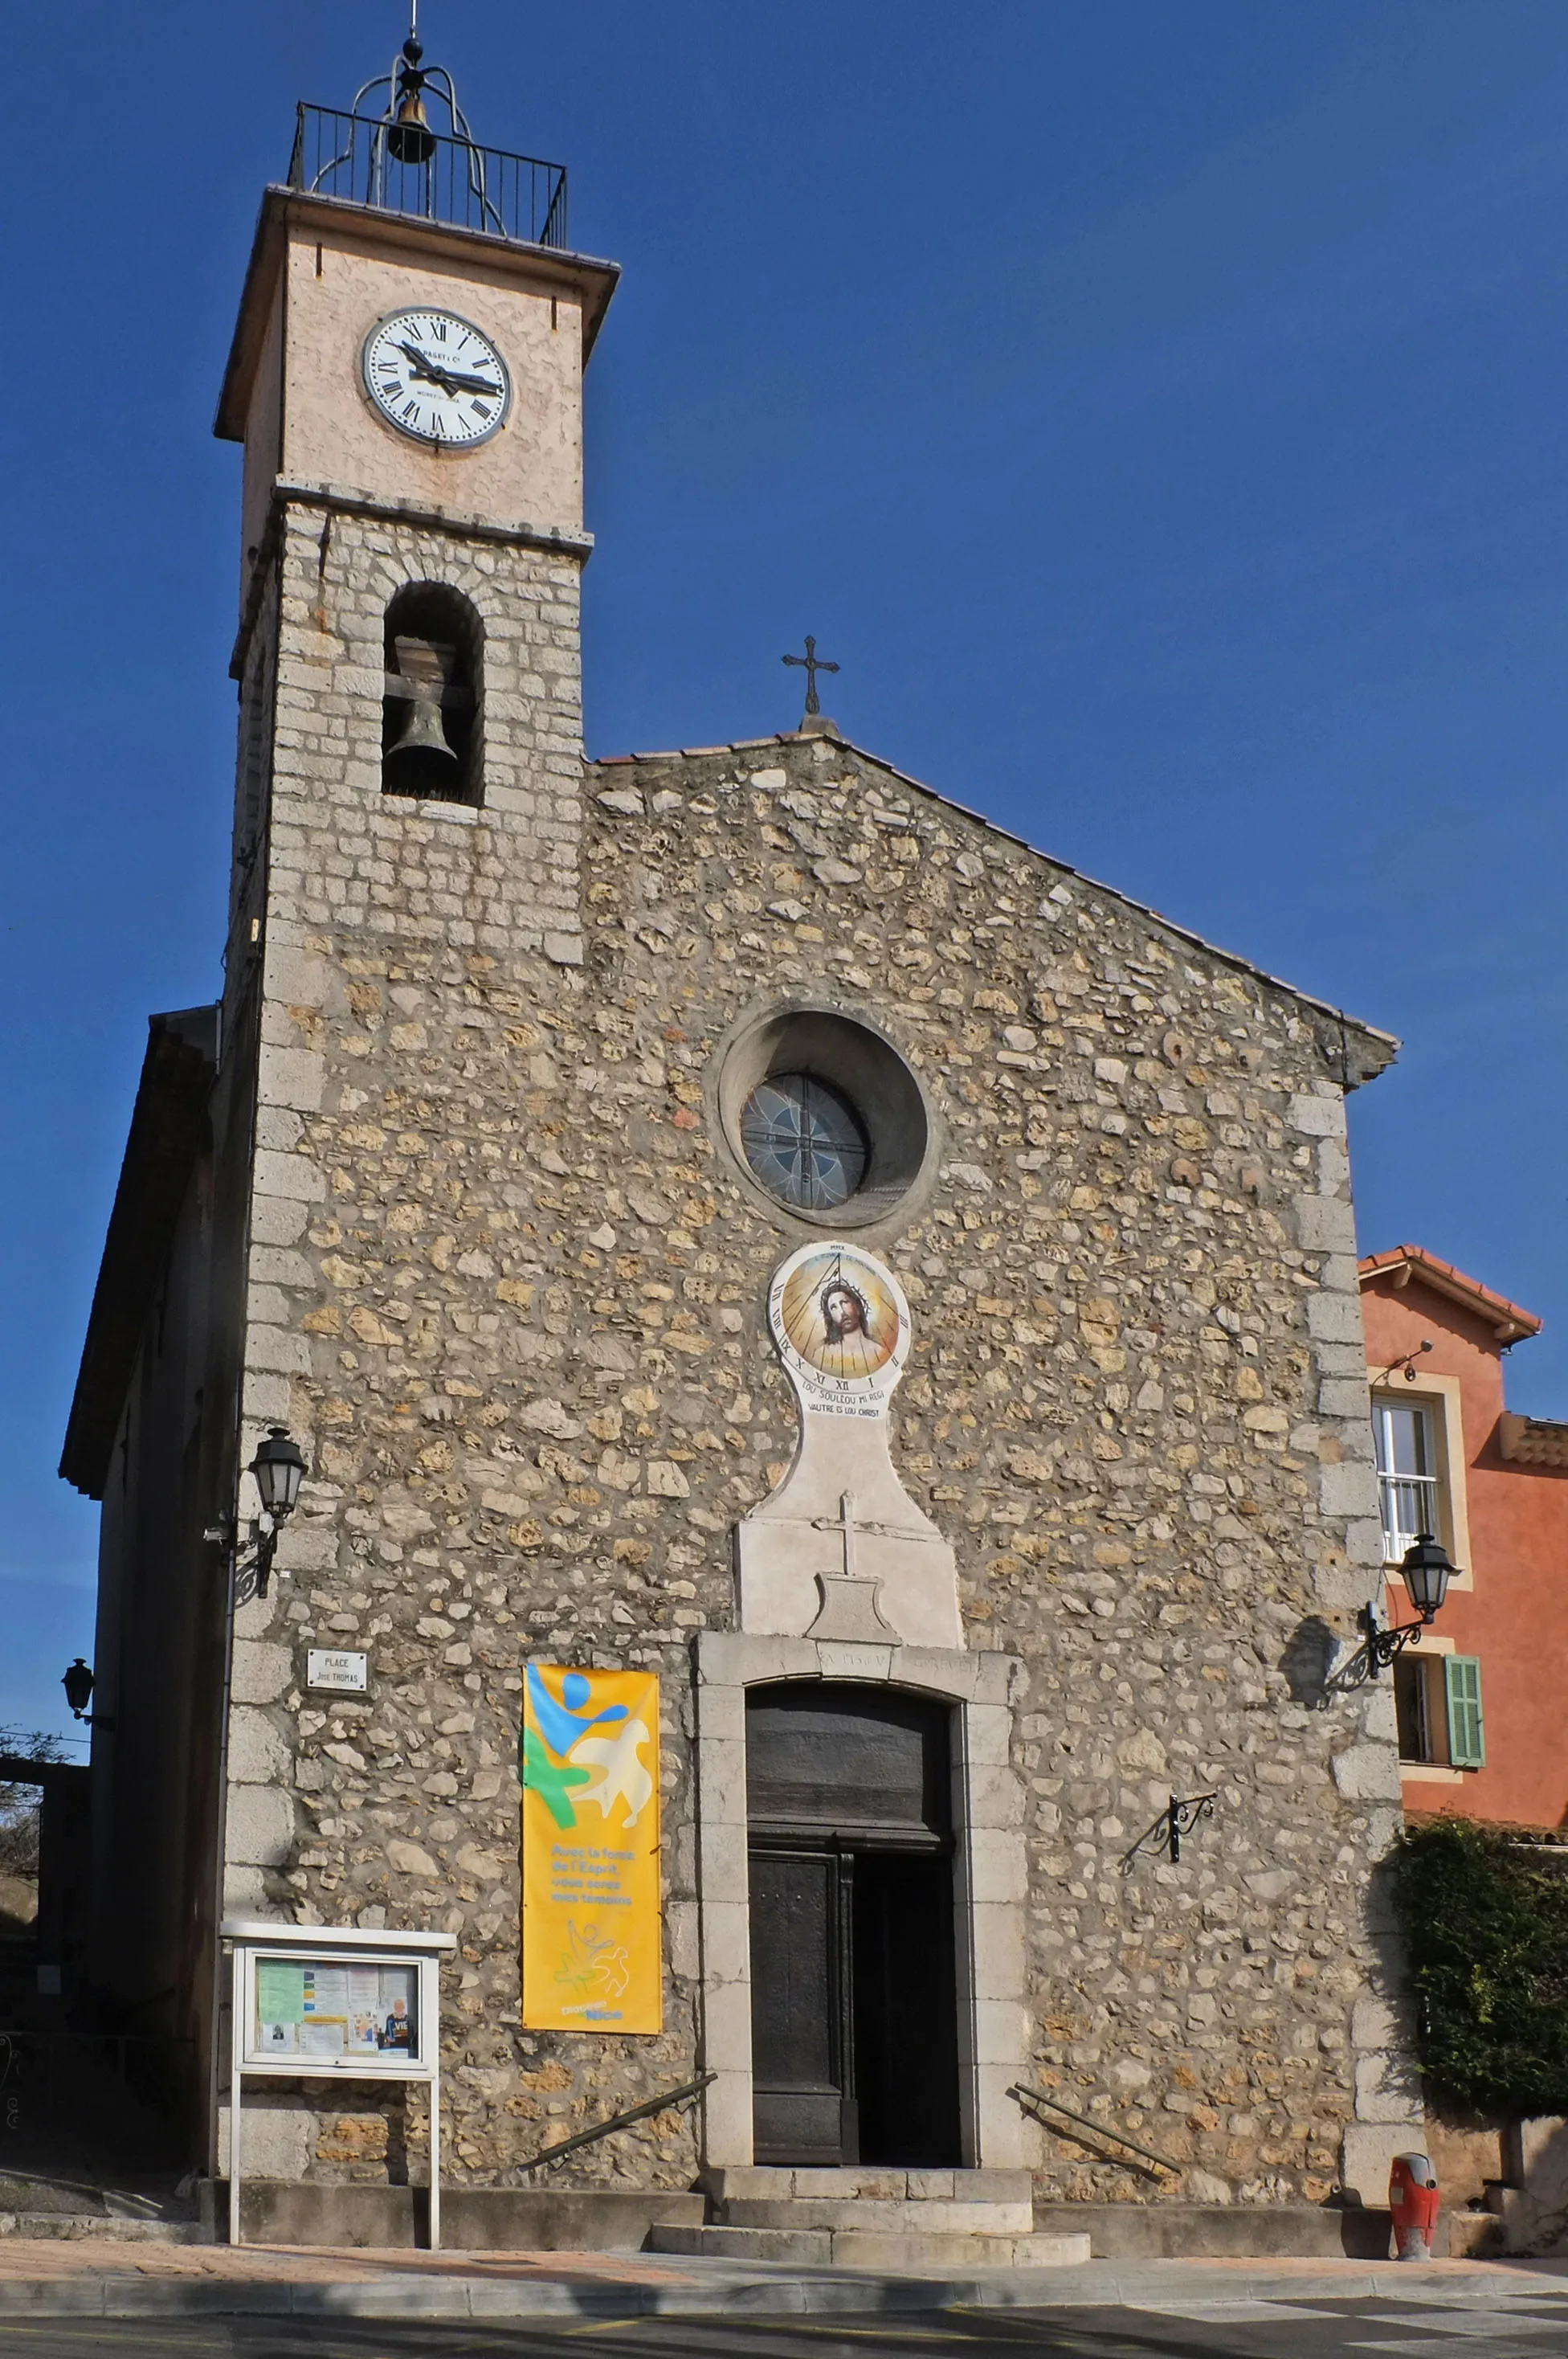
(1239, 2310)
(1419, 2348)
(1490, 2322)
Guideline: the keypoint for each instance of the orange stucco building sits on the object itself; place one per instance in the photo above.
(1483, 1699)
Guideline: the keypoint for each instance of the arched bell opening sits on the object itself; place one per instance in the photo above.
(431, 737)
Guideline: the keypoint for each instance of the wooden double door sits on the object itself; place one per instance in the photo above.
(854, 1999)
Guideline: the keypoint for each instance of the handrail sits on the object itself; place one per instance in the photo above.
(1033, 2097)
(618, 2121)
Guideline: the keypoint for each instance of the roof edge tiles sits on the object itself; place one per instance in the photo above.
(1533, 1441)
(1509, 1321)
(1377, 1048)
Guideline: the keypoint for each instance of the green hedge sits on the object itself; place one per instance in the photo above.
(1486, 1922)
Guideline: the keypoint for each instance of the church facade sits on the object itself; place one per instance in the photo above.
(735, 1215)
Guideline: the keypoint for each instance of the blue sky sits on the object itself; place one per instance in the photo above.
(1157, 409)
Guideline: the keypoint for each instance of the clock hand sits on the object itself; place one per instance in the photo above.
(429, 370)
(456, 383)
(450, 380)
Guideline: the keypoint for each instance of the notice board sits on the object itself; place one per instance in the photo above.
(592, 1920)
(335, 2007)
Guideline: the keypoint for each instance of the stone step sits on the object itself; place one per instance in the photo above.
(1473, 2236)
(78, 2227)
(777, 2182)
(1177, 2231)
(920, 2216)
(851, 2248)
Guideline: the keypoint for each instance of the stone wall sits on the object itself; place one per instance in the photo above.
(509, 1288)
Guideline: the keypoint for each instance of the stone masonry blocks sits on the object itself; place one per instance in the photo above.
(516, 1272)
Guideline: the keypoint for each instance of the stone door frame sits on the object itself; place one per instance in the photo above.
(989, 1876)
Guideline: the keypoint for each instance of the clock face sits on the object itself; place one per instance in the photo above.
(437, 378)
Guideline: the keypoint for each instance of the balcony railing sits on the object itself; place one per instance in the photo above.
(354, 156)
(1410, 1504)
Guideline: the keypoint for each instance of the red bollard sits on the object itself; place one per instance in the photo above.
(1413, 2200)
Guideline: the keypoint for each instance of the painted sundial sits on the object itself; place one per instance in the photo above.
(839, 1552)
(841, 1324)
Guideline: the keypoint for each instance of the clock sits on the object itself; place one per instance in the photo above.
(437, 378)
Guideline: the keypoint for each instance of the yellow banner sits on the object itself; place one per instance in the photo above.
(592, 1951)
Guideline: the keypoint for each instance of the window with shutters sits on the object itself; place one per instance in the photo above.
(1467, 1728)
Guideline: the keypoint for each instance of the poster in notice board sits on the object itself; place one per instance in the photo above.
(320, 2007)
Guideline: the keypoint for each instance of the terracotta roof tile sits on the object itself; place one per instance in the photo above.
(1511, 1321)
(1532, 1441)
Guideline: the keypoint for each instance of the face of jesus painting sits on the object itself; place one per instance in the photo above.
(843, 1314)
(839, 1313)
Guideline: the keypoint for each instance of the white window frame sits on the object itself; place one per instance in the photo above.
(1439, 1397)
(1424, 1491)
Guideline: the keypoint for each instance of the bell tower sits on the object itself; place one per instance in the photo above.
(406, 377)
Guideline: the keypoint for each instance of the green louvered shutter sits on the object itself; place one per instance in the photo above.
(1467, 1732)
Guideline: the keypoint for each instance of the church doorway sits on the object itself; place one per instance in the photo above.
(854, 1998)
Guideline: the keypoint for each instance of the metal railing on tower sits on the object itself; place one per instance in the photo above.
(397, 161)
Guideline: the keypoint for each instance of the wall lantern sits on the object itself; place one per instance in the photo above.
(1427, 1573)
(77, 1686)
(279, 1469)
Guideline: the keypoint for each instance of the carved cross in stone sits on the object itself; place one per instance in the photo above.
(850, 1606)
(843, 1523)
(847, 1523)
(811, 663)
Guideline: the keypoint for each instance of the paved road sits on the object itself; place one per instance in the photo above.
(1522, 2320)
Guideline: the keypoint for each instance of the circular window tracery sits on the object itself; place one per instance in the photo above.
(805, 1141)
(823, 1115)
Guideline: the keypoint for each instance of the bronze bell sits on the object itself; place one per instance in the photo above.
(410, 138)
(420, 761)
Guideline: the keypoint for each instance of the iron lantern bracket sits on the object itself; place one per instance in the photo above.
(1380, 1647)
(249, 1566)
(1180, 1816)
